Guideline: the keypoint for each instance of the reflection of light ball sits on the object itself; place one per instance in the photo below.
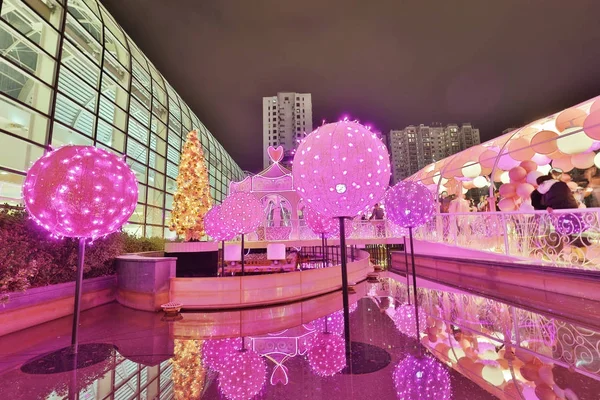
(332, 323)
(480, 182)
(409, 204)
(544, 169)
(422, 379)
(341, 168)
(405, 320)
(327, 356)
(243, 212)
(573, 141)
(216, 351)
(540, 159)
(321, 224)
(243, 375)
(80, 191)
(471, 170)
(215, 225)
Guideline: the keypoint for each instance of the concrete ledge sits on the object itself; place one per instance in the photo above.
(43, 304)
(260, 290)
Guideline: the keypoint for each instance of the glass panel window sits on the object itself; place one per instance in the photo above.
(159, 93)
(118, 72)
(80, 65)
(169, 202)
(172, 171)
(137, 131)
(142, 193)
(86, 18)
(83, 40)
(157, 77)
(140, 170)
(156, 198)
(174, 140)
(156, 179)
(61, 135)
(113, 27)
(111, 113)
(139, 112)
(158, 145)
(24, 88)
(23, 121)
(110, 136)
(18, 154)
(141, 94)
(116, 49)
(137, 151)
(24, 20)
(139, 214)
(10, 188)
(154, 231)
(114, 92)
(75, 116)
(138, 56)
(134, 229)
(141, 75)
(157, 162)
(171, 184)
(159, 110)
(154, 216)
(172, 155)
(77, 89)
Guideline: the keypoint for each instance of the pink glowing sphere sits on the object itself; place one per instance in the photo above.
(341, 168)
(80, 191)
(215, 225)
(422, 378)
(405, 320)
(409, 204)
(242, 212)
(243, 375)
(320, 224)
(327, 356)
(215, 352)
(332, 323)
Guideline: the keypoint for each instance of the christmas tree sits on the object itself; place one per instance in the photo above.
(192, 199)
(188, 372)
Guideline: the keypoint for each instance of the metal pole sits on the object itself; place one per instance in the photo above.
(326, 254)
(407, 278)
(345, 292)
(412, 256)
(242, 254)
(323, 248)
(222, 258)
(78, 282)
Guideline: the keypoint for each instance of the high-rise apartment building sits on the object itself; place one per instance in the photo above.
(287, 118)
(414, 147)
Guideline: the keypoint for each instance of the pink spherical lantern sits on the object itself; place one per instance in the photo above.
(243, 212)
(342, 168)
(422, 378)
(332, 323)
(404, 319)
(243, 375)
(216, 351)
(327, 355)
(215, 225)
(409, 204)
(320, 224)
(80, 191)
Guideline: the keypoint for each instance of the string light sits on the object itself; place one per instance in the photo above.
(404, 319)
(243, 212)
(215, 225)
(409, 204)
(80, 191)
(421, 379)
(243, 375)
(327, 356)
(216, 351)
(321, 224)
(342, 168)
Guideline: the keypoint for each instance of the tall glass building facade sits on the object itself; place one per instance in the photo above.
(69, 74)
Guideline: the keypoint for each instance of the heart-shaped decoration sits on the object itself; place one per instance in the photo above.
(276, 153)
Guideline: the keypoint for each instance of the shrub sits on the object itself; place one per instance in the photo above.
(30, 257)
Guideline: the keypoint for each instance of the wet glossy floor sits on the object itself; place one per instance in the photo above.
(472, 348)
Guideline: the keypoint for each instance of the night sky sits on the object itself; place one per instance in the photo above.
(497, 64)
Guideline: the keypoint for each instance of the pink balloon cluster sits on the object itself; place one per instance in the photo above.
(80, 191)
(216, 226)
(242, 213)
(321, 224)
(409, 204)
(342, 168)
(522, 183)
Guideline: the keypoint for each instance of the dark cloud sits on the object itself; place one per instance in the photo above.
(391, 63)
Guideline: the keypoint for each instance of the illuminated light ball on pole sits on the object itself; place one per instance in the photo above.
(422, 378)
(342, 168)
(81, 192)
(243, 214)
(327, 356)
(410, 205)
(243, 375)
(216, 351)
(216, 227)
(404, 319)
(324, 226)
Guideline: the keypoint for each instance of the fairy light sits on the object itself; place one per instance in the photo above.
(243, 212)
(327, 355)
(422, 378)
(216, 351)
(243, 375)
(409, 204)
(321, 224)
(80, 191)
(215, 225)
(404, 319)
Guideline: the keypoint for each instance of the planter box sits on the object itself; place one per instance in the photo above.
(43, 304)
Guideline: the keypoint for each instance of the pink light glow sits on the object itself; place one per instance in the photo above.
(243, 375)
(73, 192)
(405, 321)
(243, 212)
(321, 224)
(215, 225)
(409, 204)
(215, 352)
(422, 379)
(327, 356)
(341, 168)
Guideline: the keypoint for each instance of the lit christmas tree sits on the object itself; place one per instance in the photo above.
(192, 199)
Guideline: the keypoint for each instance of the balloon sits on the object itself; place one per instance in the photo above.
(540, 159)
(563, 163)
(507, 204)
(524, 190)
(508, 190)
(468, 185)
(471, 170)
(544, 142)
(480, 182)
(530, 372)
(529, 165)
(546, 375)
(488, 158)
(532, 177)
(544, 392)
(583, 160)
(571, 117)
(506, 162)
(520, 149)
(573, 141)
(517, 174)
(591, 125)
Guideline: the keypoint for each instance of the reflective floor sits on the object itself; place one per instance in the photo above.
(471, 348)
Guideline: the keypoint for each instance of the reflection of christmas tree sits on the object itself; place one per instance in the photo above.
(188, 373)
(192, 199)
